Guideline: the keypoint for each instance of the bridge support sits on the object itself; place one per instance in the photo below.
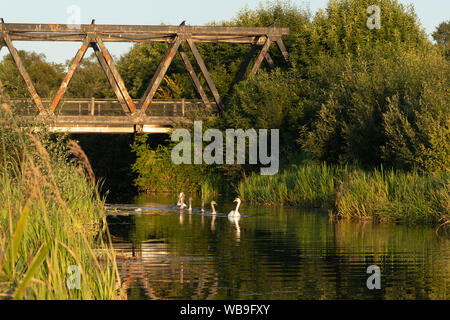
(23, 72)
(73, 67)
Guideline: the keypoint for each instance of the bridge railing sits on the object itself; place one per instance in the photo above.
(110, 107)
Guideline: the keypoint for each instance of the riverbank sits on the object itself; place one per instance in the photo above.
(53, 244)
(384, 195)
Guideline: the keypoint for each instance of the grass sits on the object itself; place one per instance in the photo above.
(309, 186)
(50, 219)
(391, 195)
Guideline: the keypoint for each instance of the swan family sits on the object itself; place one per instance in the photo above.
(180, 204)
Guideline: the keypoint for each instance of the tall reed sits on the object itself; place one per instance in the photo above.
(50, 220)
(308, 185)
(384, 195)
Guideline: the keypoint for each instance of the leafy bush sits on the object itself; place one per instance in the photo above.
(384, 107)
(157, 173)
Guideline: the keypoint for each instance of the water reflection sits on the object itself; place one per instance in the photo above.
(235, 222)
(272, 253)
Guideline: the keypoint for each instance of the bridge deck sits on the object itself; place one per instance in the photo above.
(106, 115)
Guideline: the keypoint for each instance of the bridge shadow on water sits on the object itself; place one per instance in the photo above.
(111, 158)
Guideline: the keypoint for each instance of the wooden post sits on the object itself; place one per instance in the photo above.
(182, 107)
(2, 92)
(92, 106)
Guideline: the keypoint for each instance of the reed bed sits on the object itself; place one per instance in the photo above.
(50, 219)
(390, 195)
(308, 185)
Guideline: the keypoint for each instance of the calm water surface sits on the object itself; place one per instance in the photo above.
(271, 253)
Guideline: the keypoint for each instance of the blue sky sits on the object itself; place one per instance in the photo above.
(171, 12)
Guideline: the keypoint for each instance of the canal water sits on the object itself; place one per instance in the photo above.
(271, 253)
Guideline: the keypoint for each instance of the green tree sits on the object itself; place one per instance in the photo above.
(386, 109)
(442, 37)
(45, 76)
(442, 34)
(342, 26)
(138, 66)
(355, 76)
(89, 81)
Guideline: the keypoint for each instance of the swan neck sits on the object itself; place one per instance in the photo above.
(237, 206)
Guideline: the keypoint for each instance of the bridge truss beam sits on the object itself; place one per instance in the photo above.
(95, 36)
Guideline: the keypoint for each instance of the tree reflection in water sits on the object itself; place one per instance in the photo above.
(274, 253)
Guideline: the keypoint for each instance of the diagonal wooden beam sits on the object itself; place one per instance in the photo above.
(194, 77)
(23, 72)
(244, 66)
(206, 74)
(262, 54)
(73, 67)
(2, 91)
(269, 61)
(2, 44)
(110, 77)
(117, 77)
(159, 74)
(283, 50)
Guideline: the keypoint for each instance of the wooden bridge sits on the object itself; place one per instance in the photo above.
(126, 114)
(106, 116)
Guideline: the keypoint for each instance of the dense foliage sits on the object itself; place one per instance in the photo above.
(442, 37)
(353, 95)
(46, 76)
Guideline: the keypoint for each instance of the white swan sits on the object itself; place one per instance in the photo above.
(213, 209)
(190, 205)
(178, 204)
(235, 213)
(182, 204)
(203, 206)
